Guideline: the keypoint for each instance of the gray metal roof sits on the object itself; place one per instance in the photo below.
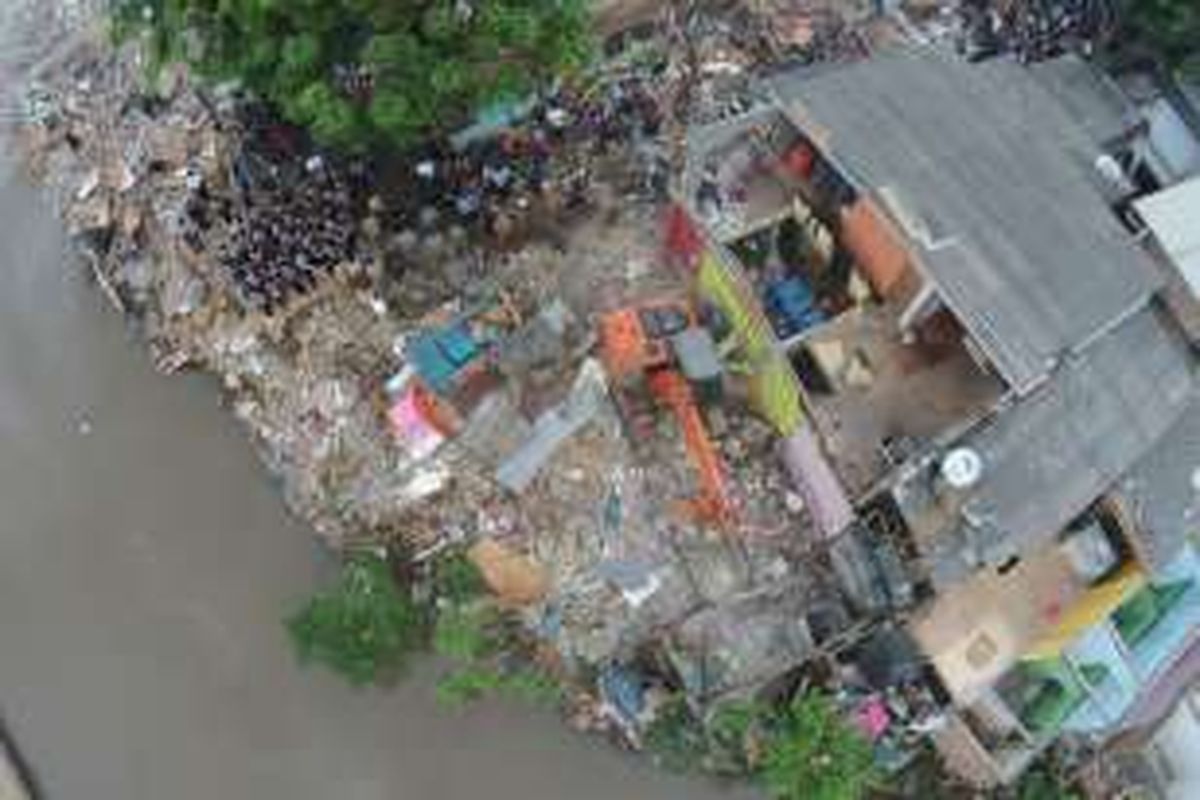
(1052, 453)
(994, 183)
(1159, 492)
(1090, 97)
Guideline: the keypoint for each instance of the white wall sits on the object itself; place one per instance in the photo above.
(1175, 750)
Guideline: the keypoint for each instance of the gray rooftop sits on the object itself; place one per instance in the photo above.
(1090, 97)
(993, 180)
(1159, 492)
(1052, 453)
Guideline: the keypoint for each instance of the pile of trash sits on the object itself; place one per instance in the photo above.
(818, 31)
(417, 366)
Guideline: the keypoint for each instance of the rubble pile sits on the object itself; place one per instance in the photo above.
(818, 31)
(412, 349)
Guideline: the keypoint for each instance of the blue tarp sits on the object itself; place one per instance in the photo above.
(791, 307)
(439, 355)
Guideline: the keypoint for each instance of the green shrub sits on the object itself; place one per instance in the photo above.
(811, 753)
(1041, 782)
(363, 627)
(731, 735)
(1172, 27)
(456, 579)
(473, 682)
(465, 634)
(430, 65)
(675, 738)
(473, 638)
(472, 633)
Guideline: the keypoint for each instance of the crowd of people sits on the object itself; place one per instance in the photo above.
(283, 243)
(285, 233)
(473, 185)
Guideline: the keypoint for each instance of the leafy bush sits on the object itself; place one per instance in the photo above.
(675, 738)
(812, 754)
(473, 638)
(1169, 28)
(359, 71)
(456, 580)
(464, 634)
(475, 681)
(364, 627)
(1044, 781)
(732, 732)
(471, 633)
(724, 745)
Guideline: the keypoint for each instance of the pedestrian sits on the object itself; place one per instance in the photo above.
(708, 193)
(467, 203)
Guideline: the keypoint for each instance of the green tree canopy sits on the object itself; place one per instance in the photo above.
(358, 71)
(363, 627)
(811, 753)
(1170, 26)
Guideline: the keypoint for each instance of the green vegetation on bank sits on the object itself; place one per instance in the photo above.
(813, 754)
(356, 72)
(363, 627)
(802, 751)
(366, 628)
(480, 645)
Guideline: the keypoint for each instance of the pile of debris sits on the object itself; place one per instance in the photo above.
(413, 353)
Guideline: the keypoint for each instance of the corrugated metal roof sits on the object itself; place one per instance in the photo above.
(1054, 452)
(1091, 98)
(994, 183)
(1173, 216)
(1159, 491)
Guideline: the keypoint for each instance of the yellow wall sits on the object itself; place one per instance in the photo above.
(773, 384)
(1090, 608)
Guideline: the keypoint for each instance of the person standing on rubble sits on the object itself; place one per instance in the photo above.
(708, 193)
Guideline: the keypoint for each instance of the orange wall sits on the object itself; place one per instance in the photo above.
(876, 246)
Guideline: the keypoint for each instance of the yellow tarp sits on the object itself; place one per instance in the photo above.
(1090, 608)
(773, 384)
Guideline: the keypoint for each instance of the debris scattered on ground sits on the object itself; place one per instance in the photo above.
(410, 344)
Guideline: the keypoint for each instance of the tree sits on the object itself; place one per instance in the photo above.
(1039, 784)
(1172, 27)
(812, 754)
(358, 72)
(363, 627)
(473, 636)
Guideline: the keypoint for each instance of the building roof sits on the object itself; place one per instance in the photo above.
(1160, 492)
(994, 184)
(1052, 453)
(1173, 216)
(1089, 96)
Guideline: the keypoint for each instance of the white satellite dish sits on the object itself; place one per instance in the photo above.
(962, 468)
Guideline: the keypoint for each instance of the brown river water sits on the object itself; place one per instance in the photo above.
(146, 561)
